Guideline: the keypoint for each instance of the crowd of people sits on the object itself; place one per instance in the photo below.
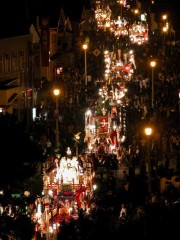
(129, 212)
(115, 209)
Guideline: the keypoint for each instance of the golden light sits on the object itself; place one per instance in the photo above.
(165, 29)
(164, 17)
(136, 11)
(148, 131)
(56, 113)
(77, 135)
(56, 92)
(1, 192)
(153, 64)
(85, 46)
(121, 1)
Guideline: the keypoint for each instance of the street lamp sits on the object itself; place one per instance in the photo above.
(56, 93)
(153, 64)
(77, 138)
(121, 4)
(165, 29)
(85, 46)
(164, 17)
(136, 12)
(148, 132)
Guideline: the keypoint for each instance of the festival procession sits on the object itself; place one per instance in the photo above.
(106, 144)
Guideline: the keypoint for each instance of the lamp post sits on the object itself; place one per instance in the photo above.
(56, 93)
(77, 138)
(136, 12)
(85, 46)
(153, 64)
(164, 32)
(148, 132)
(121, 4)
(164, 17)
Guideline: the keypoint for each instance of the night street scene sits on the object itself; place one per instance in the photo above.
(89, 119)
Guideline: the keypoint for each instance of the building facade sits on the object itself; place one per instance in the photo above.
(19, 71)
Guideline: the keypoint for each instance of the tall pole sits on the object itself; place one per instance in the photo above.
(152, 104)
(57, 123)
(149, 166)
(148, 132)
(164, 18)
(85, 66)
(56, 93)
(121, 3)
(77, 137)
(153, 64)
(85, 62)
(136, 11)
(164, 32)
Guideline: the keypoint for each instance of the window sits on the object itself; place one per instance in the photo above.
(1, 64)
(14, 62)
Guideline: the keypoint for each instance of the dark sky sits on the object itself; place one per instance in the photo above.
(15, 14)
(73, 8)
(19, 8)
